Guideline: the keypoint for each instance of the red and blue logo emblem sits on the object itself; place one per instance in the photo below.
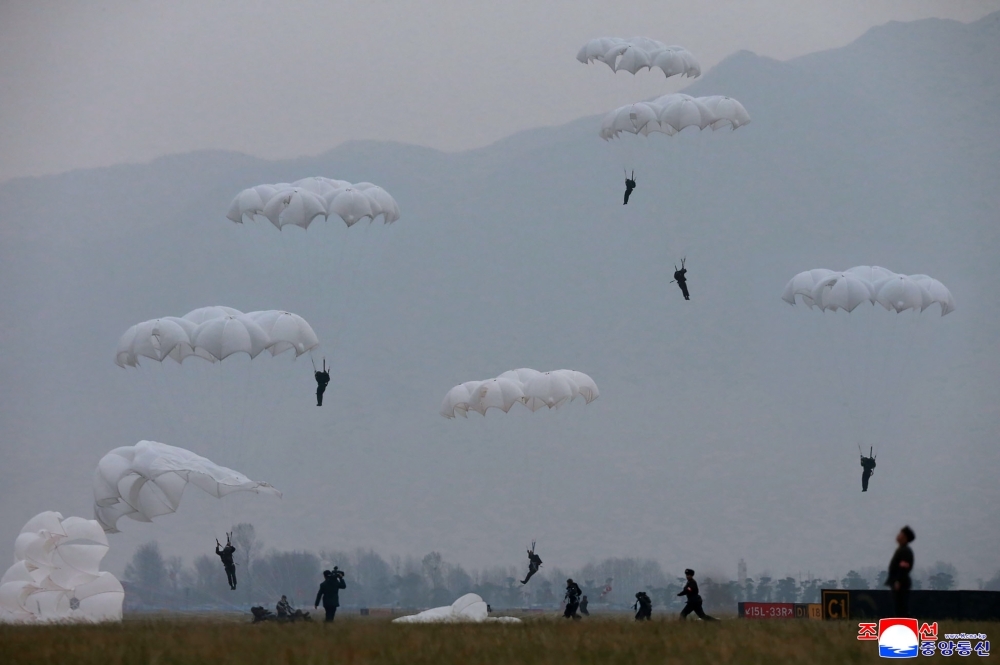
(898, 638)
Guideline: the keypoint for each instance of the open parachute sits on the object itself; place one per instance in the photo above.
(215, 333)
(638, 53)
(673, 113)
(829, 290)
(299, 203)
(526, 386)
(148, 479)
(56, 576)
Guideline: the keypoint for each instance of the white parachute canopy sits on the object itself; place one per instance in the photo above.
(638, 53)
(527, 386)
(215, 333)
(301, 202)
(673, 113)
(56, 576)
(470, 608)
(831, 291)
(148, 479)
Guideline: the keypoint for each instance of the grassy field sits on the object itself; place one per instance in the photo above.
(166, 641)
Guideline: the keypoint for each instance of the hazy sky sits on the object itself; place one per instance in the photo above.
(100, 83)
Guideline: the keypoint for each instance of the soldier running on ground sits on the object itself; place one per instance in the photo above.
(644, 605)
(693, 598)
(572, 598)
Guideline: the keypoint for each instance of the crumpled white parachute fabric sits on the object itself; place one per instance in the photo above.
(215, 333)
(303, 201)
(673, 113)
(831, 291)
(56, 576)
(526, 386)
(638, 53)
(470, 608)
(148, 479)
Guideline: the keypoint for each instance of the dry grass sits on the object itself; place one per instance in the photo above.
(168, 641)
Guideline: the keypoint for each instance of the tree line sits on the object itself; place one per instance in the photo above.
(157, 582)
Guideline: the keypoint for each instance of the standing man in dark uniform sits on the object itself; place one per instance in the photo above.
(226, 554)
(329, 592)
(583, 607)
(693, 598)
(322, 380)
(868, 466)
(644, 604)
(899, 572)
(572, 598)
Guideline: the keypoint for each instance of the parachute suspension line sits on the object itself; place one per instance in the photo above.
(868, 396)
(351, 298)
(246, 404)
(886, 389)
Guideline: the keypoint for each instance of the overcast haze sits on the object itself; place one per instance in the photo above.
(95, 84)
(727, 426)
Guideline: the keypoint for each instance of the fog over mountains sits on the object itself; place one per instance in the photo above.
(727, 426)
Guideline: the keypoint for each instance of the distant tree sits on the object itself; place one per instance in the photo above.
(147, 569)
(512, 596)
(786, 590)
(208, 572)
(371, 578)
(749, 590)
(993, 584)
(294, 574)
(248, 547)
(941, 581)
(431, 566)
(412, 589)
(810, 591)
(175, 566)
(829, 584)
(718, 597)
(854, 580)
(545, 595)
(764, 589)
(875, 575)
(941, 576)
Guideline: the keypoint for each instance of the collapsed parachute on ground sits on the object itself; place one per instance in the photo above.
(215, 333)
(56, 576)
(831, 291)
(148, 479)
(673, 113)
(637, 53)
(470, 608)
(527, 386)
(301, 202)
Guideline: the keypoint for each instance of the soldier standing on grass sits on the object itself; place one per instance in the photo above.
(329, 592)
(572, 598)
(899, 571)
